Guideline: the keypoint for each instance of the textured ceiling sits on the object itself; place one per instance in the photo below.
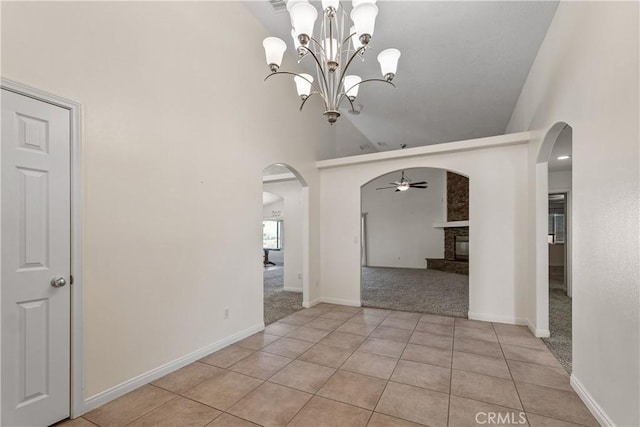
(462, 68)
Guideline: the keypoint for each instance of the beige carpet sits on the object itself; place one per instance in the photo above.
(419, 290)
(277, 302)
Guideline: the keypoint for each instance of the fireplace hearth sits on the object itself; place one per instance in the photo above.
(461, 248)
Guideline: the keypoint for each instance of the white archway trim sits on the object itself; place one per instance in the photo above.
(540, 327)
(304, 196)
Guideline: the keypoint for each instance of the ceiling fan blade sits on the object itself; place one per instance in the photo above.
(419, 183)
(417, 186)
(384, 188)
(395, 183)
(397, 190)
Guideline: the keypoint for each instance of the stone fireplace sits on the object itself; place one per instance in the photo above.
(456, 230)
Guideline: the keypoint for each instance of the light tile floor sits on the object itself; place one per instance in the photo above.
(343, 366)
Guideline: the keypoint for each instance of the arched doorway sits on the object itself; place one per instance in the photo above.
(415, 241)
(285, 241)
(554, 285)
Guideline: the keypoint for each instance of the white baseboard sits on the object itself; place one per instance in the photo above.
(540, 333)
(152, 375)
(340, 301)
(599, 414)
(312, 303)
(496, 318)
(291, 289)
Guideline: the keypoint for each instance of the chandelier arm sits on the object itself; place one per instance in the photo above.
(346, 67)
(304, 101)
(346, 40)
(353, 108)
(294, 74)
(318, 45)
(324, 76)
(344, 94)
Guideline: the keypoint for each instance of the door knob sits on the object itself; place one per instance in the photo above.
(58, 282)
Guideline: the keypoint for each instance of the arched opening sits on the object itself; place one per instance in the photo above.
(415, 241)
(284, 241)
(554, 286)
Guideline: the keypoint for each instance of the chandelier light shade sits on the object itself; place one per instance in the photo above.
(355, 39)
(303, 17)
(303, 85)
(364, 19)
(356, 3)
(332, 50)
(292, 3)
(326, 4)
(388, 60)
(351, 86)
(274, 49)
(330, 47)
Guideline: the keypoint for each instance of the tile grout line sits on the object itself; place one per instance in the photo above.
(175, 396)
(394, 370)
(509, 369)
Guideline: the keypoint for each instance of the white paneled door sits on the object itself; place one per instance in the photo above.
(35, 261)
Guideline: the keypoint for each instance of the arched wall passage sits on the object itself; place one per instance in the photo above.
(541, 276)
(280, 178)
(402, 231)
(415, 229)
(497, 167)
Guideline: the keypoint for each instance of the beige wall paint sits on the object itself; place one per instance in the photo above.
(176, 119)
(586, 74)
(497, 264)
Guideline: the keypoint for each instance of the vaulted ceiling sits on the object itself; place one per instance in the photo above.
(462, 68)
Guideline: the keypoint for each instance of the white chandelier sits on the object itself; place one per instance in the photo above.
(333, 54)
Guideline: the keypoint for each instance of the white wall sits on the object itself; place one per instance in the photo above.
(400, 230)
(586, 74)
(165, 133)
(291, 215)
(497, 266)
(273, 211)
(559, 181)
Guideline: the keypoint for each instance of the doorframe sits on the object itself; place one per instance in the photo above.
(568, 236)
(76, 399)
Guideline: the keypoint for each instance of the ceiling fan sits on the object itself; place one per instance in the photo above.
(404, 184)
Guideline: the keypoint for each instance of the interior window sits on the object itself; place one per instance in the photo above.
(272, 234)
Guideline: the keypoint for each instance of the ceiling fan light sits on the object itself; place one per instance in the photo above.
(274, 49)
(303, 17)
(303, 84)
(403, 187)
(364, 18)
(351, 86)
(388, 60)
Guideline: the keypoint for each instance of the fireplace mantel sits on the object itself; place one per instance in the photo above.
(450, 224)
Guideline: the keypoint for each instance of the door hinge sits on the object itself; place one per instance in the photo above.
(71, 279)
